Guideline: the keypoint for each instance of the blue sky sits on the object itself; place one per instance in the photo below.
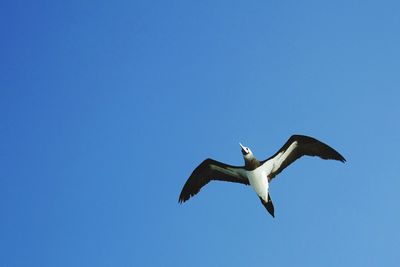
(106, 108)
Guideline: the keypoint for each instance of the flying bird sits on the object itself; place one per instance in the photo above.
(257, 173)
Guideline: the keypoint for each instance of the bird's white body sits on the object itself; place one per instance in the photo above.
(259, 181)
(258, 177)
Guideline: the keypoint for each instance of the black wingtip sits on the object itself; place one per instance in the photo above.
(182, 199)
(184, 196)
(332, 154)
(341, 158)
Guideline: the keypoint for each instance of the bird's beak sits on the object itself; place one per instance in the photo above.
(243, 151)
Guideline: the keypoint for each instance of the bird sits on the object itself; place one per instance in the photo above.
(258, 174)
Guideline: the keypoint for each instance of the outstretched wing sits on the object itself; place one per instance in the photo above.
(210, 170)
(298, 146)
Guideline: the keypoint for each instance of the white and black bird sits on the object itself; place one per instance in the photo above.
(257, 173)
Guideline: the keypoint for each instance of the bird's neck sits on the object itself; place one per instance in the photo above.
(251, 163)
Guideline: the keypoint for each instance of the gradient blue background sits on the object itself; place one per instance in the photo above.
(107, 107)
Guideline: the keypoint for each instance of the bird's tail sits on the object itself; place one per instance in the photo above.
(268, 205)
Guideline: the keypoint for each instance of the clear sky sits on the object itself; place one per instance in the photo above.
(106, 107)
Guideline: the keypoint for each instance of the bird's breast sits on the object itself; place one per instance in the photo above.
(259, 181)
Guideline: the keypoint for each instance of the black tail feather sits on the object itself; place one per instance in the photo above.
(269, 205)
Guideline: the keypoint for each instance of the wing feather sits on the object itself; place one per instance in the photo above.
(298, 146)
(210, 170)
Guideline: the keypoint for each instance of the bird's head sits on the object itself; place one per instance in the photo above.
(247, 154)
